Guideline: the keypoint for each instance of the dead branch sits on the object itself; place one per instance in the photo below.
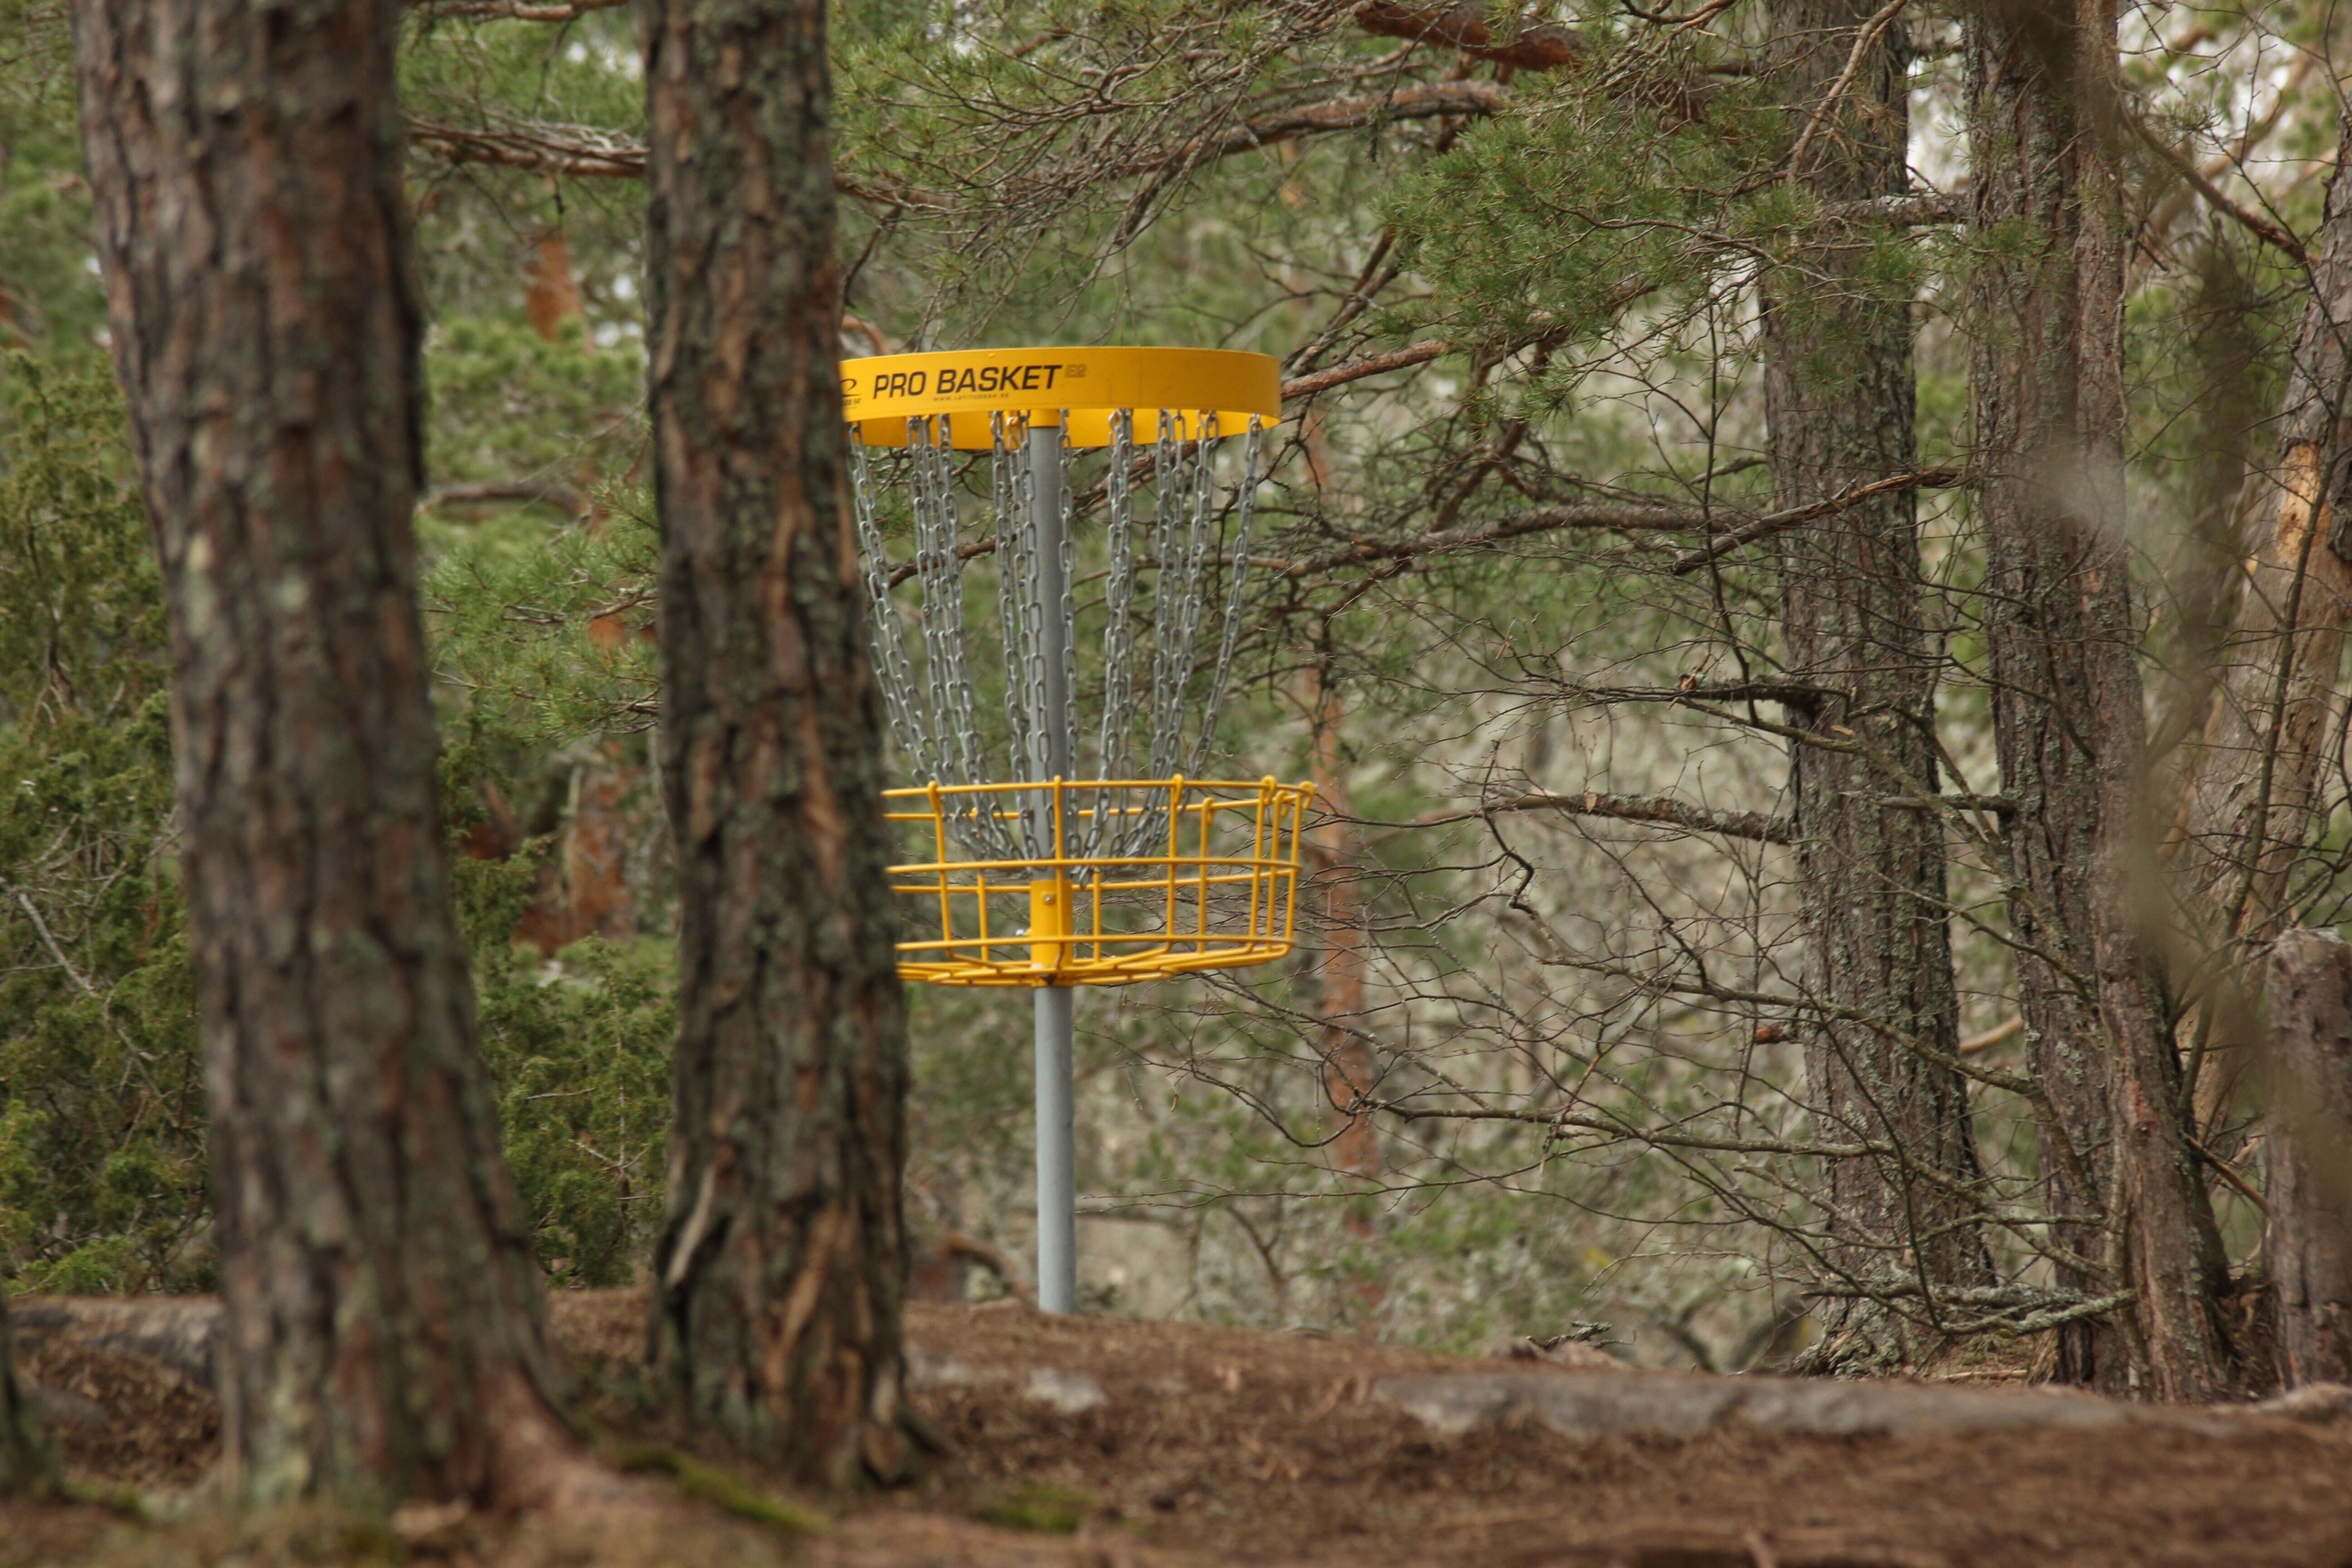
(1661, 810)
(2256, 224)
(1529, 46)
(516, 10)
(1775, 522)
(1356, 370)
(1629, 517)
(561, 498)
(1430, 101)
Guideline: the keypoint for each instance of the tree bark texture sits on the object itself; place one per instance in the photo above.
(2061, 639)
(782, 1265)
(2249, 816)
(382, 1328)
(2307, 1155)
(27, 1464)
(1839, 396)
(1350, 1074)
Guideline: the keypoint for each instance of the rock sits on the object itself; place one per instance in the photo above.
(1680, 1406)
(1559, 1349)
(925, 1370)
(2315, 1401)
(1067, 1392)
(177, 1331)
(59, 1408)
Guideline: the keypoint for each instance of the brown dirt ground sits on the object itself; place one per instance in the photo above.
(1217, 1446)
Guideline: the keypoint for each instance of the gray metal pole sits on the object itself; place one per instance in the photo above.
(1057, 1207)
(1058, 1200)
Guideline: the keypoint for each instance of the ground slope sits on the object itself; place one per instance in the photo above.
(1107, 1441)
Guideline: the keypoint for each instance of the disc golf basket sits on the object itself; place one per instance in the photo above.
(1043, 852)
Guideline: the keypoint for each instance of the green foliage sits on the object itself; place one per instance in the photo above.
(49, 295)
(510, 403)
(103, 1178)
(542, 637)
(580, 1049)
(101, 1166)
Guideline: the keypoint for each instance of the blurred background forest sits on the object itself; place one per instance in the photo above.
(1521, 609)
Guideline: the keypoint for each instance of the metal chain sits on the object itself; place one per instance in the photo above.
(931, 710)
(1008, 484)
(940, 570)
(894, 673)
(1069, 604)
(1112, 751)
(1168, 592)
(1237, 576)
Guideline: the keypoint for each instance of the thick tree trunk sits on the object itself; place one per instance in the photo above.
(2250, 815)
(382, 1332)
(2307, 1155)
(27, 1464)
(1839, 395)
(2063, 643)
(782, 1262)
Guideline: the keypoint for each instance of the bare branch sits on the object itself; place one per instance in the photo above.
(1531, 45)
(1430, 101)
(2256, 224)
(516, 10)
(1775, 522)
(1629, 517)
(528, 492)
(1661, 810)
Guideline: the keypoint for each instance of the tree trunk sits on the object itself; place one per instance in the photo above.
(2307, 1155)
(782, 1261)
(27, 1465)
(383, 1333)
(2249, 816)
(1348, 1073)
(1839, 395)
(2061, 639)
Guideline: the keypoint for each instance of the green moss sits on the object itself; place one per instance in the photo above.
(1042, 1507)
(721, 1489)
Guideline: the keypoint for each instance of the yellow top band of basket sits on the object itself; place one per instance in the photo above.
(880, 396)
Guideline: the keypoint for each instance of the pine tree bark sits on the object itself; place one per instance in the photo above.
(2061, 639)
(2307, 1155)
(1840, 391)
(382, 1319)
(781, 1266)
(1349, 1074)
(27, 1466)
(2250, 813)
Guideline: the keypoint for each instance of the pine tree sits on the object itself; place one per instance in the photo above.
(382, 1333)
(780, 1268)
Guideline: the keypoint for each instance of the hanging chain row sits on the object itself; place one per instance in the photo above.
(933, 720)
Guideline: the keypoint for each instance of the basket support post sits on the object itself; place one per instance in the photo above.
(1058, 1200)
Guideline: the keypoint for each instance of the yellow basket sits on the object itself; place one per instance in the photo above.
(1216, 889)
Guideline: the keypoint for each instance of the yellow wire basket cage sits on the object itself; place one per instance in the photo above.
(1218, 888)
(1016, 869)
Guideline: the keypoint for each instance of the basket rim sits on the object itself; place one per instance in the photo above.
(881, 393)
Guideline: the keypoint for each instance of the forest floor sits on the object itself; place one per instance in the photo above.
(1115, 1443)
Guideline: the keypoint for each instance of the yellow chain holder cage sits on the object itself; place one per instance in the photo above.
(1219, 892)
(1111, 881)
